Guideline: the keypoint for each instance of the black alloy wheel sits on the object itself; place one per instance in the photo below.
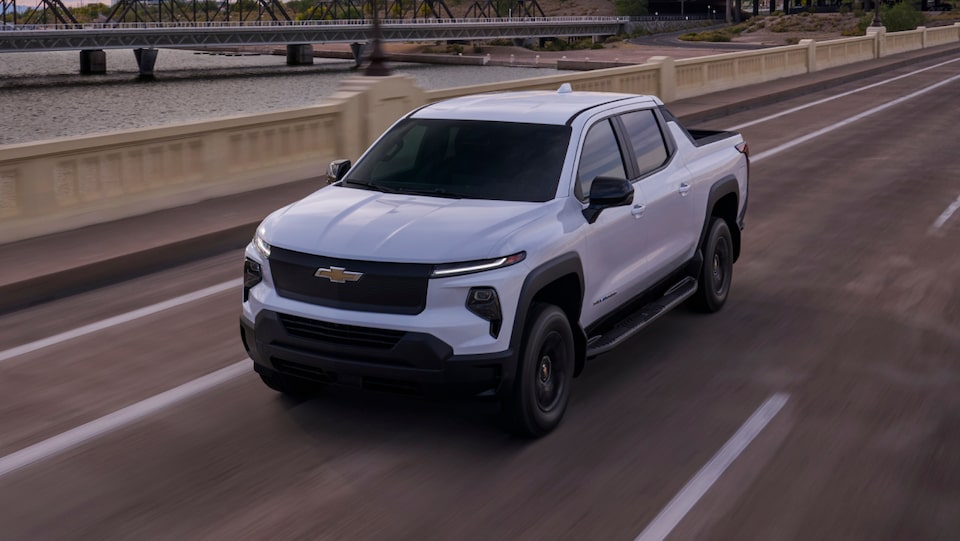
(541, 389)
(717, 273)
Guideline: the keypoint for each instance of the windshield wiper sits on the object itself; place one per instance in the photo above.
(440, 192)
(372, 186)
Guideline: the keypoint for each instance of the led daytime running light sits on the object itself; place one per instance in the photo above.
(261, 245)
(477, 266)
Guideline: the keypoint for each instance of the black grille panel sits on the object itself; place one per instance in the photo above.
(391, 288)
(303, 371)
(335, 333)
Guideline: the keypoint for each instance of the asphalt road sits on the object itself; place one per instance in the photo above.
(845, 302)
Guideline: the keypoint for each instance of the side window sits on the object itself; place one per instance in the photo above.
(646, 139)
(600, 158)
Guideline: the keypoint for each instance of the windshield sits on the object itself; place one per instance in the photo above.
(472, 159)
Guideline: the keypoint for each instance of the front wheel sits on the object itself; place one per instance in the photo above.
(717, 273)
(541, 390)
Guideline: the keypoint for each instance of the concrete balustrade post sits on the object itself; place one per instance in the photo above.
(373, 104)
(878, 33)
(923, 36)
(667, 77)
(811, 46)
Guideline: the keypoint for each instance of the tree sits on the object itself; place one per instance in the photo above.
(630, 8)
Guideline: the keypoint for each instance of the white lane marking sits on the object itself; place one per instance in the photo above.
(851, 120)
(119, 419)
(690, 494)
(942, 219)
(838, 96)
(117, 320)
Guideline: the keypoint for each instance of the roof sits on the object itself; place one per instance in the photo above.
(538, 106)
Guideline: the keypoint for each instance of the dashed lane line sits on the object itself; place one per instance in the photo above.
(109, 423)
(690, 494)
(944, 216)
(837, 125)
(838, 96)
(119, 319)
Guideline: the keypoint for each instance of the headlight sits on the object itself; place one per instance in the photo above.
(261, 245)
(469, 267)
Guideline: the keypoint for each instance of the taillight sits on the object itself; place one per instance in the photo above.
(744, 148)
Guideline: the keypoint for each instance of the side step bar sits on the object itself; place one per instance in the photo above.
(646, 315)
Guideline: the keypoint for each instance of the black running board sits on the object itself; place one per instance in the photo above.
(646, 315)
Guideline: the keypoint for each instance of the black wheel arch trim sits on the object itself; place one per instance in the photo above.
(720, 189)
(535, 281)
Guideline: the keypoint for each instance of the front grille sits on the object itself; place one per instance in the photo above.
(335, 333)
(390, 288)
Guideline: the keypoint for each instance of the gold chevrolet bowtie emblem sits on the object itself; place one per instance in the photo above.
(338, 275)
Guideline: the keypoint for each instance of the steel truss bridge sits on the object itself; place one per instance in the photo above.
(61, 37)
(126, 11)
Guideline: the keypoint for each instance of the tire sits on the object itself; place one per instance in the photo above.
(717, 273)
(541, 389)
(290, 387)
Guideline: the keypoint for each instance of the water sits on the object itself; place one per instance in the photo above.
(42, 95)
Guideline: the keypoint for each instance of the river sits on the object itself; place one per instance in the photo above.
(42, 95)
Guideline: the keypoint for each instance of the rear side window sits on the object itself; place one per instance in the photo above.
(646, 139)
(600, 158)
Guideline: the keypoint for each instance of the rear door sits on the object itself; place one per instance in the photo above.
(668, 217)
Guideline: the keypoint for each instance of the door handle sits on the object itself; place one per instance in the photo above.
(684, 189)
(637, 210)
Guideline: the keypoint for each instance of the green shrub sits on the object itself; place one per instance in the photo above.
(900, 17)
(630, 8)
(711, 35)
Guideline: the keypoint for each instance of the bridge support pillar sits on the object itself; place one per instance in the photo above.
(93, 62)
(146, 59)
(357, 49)
(299, 54)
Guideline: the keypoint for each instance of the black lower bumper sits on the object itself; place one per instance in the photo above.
(405, 362)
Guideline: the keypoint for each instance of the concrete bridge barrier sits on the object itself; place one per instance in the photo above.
(52, 186)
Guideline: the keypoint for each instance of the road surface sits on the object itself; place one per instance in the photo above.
(843, 322)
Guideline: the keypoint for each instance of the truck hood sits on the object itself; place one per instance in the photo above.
(367, 225)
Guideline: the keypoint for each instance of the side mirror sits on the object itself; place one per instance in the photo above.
(607, 192)
(337, 169)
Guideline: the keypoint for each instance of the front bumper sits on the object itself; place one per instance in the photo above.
(406, 362)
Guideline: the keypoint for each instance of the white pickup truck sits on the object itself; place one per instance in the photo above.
(491, 244)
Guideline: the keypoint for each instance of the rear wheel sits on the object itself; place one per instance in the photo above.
(541, 389)
(717, 273)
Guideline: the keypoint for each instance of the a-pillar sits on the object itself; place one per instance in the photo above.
(146, 59)
(299, 54)
(93, 62)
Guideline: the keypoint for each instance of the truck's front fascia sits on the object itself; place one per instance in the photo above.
(444, 345)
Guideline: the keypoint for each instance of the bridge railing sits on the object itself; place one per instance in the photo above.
(51, 186)
(311, 23)
(844, 51)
